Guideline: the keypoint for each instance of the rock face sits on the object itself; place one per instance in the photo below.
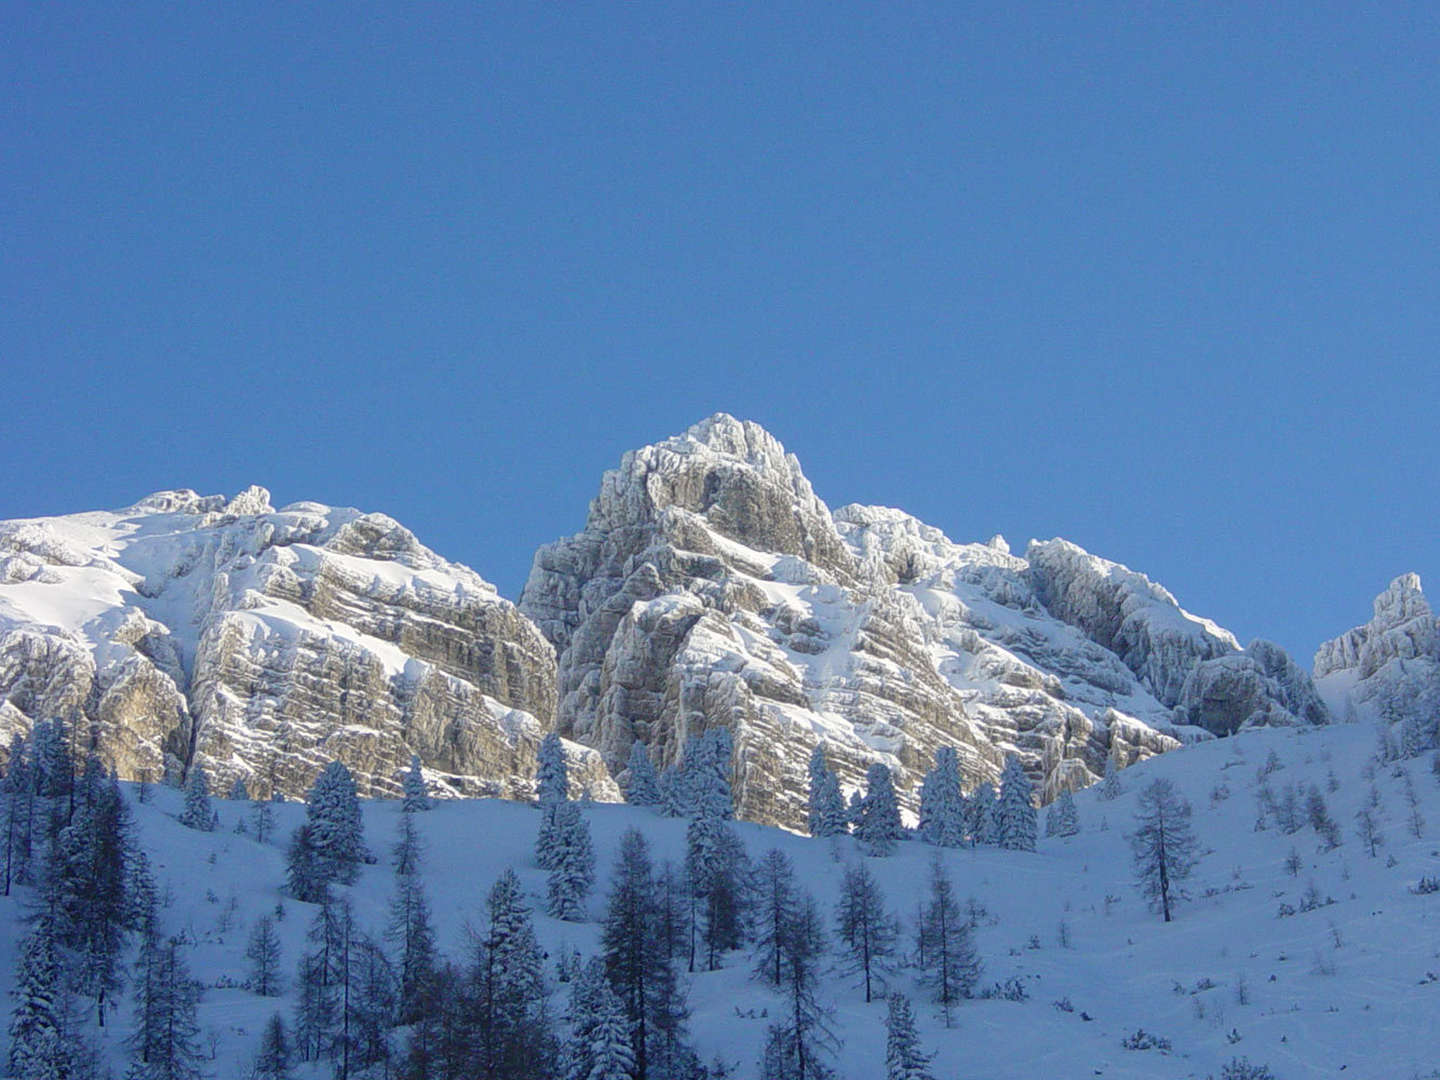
(1389, 669)
(265, 643)
(711, 586)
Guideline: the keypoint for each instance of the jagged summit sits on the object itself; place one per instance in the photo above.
(710, 586)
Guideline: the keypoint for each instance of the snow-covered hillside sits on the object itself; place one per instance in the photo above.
(1344, 989)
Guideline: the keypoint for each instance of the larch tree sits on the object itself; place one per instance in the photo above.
(949, 961)
(1163, 845)
(866, 929)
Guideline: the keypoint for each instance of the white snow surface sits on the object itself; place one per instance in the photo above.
(1347, 990)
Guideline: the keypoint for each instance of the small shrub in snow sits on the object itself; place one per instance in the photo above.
(1011, 989)
(1241, 1069)
(1426, 885)
(1144, 1040)
(1063, 1005)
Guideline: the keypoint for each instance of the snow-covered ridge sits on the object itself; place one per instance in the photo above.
(264, 642)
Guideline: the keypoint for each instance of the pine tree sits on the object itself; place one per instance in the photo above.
(410, 929)
(798, 1042)
(1015, 811)
(262, 820)
(572, 873)
(305, 877)
(552, 781)
(198, 813)
(273, 1060)
(37, 1036)
(714, 865)
(867, 930)
(55, 771)
(880, 827)
(238, 791)
(642, 788)
(17, 805)
(904, 1060)
(950, 964)
(417, 798)
(263, 953)
(827, 806)
(1163, 845)
(1111, 788)
(942, 804)
(1064, 816)
(640, 972)
(674, 795)
(165, 1041)
(599, 1046)
(319, 978)
(772, 904)
(707, 775)
(980, 815)
(336, 832)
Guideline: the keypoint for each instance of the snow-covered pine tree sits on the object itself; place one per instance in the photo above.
(262, 952)
(880, 828)
(305, 878)
(642, 787)
(674, 793)
(904, 1060)
(1163, 845)
(950, 963)
(641, 974)
(410, 929)
(417, 798)
(1111, 788)
(552, 778)
(867, 930)
(572, 873)
(827, 816)
(337, 834)
(715, 867)
(508, 984)
(273, 1060)
(38, 1037)
(1015, 811)
(198, 813)
(855, 808)
(942, 803)
(1065, 815)
(599, 1046)
(54, 766)
(238, 791)
(980, 815)
(707, 768)
(166, 1041)
(17, 812)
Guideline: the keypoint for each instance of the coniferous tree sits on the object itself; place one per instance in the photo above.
(855, 809)
(1063, 819)
(410, 930)
(262, 819)
(1015, 811)
(942, 803)
(674, 801)
(417, 798)
(880, 827)
(714, 864)
(797, 1044)
(640, 972)
(827, 806)
(273, 1060)
(306, 878)
(1163, 845)
(707, 775)
(263, 953)
(38, 1049)
(950, 963)
(642, 787)
(572, 873)
(867, 930)
(772, 904)
(599, 1046)
(198, 813)
(980, 815)
(904, 1060)
(319, 978)
(552, 779)
(17, 804)
(55, 771)
(1111, 788)
(238, 791)
(336, 833)
(165, 1041)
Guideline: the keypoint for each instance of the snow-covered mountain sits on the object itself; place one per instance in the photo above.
(710, 586)
(263, 643)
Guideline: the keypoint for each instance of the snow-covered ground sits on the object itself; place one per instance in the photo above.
(1343, 990)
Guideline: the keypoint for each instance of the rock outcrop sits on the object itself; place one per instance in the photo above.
(264, 643)
(1387, 670)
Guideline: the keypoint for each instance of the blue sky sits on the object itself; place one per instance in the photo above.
(1158, 279)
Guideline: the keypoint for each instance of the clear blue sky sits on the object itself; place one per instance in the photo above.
(1162, 279)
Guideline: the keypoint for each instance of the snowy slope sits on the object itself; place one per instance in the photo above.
(1345, 990)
